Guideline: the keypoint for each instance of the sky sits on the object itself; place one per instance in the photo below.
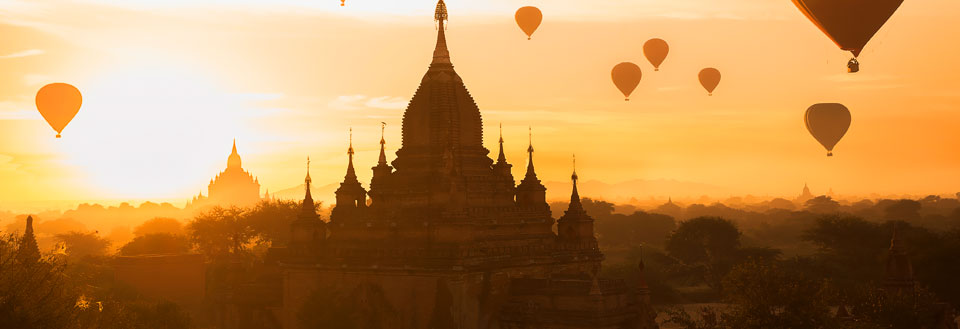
(169, 84)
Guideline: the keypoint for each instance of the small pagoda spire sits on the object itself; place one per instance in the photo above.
(383, 142)
(28, 252)
(441, 55)
(351, 173)
(308, 206)
(575, 205)
(501, 158)
(233, 161)
(530, 171)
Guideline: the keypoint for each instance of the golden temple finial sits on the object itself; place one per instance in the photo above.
(350, 150)
(440, 14)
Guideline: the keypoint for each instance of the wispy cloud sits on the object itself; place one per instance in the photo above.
(359, 102)
(25, 53)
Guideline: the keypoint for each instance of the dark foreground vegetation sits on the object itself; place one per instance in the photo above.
(776, 264)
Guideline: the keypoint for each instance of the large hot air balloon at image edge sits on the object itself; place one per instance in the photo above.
(709, 79)
(656, 51)
(529, 19)
(626, 76)
(58, 103)
(849, 23)
(828, 123)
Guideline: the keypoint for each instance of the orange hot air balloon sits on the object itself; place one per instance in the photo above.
(849, 23)
(656, 51)
(626, 76)
(58, 103)
(827, 122)
(710, 78)
(529, 19)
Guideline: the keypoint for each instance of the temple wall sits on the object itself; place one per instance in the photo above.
(178, 278)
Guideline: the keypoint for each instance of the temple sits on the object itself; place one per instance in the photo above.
(233, 186)
(444, 238)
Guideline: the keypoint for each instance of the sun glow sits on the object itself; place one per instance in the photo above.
(154, 125)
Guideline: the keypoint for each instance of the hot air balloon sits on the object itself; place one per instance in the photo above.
(626, 76)
(58, 103)
(849, 23)
(529, 19)
(709, 79)
(656, 51)
(827, 122)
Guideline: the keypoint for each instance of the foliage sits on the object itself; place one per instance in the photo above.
(33, 295)
(157, 243)
(767, 295)
(639, 227)
(822, 205)
(79, 245)
(221, 232)
(159, 225)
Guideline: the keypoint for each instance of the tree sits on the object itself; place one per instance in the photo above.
(598, 209)
(157, 243)
(822, 205)
(704, 239)
(79, 245)
(905, 210)
(707, 246)
(271, 220)
(768, 296)
(33, 294)
(221, 232)
(631, 230)
(159, 225)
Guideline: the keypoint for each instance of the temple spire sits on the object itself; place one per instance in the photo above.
(441, 55)
(530, 170)
(575, 204)
(383, 142)
(351, 173)
(28, 252)
(233, 161)
(308, 206)
(501, 158)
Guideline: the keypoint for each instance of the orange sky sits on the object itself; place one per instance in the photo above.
(168, 84)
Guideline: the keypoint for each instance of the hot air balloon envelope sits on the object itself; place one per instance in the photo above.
(656, 51)
(529, 19)
(849, 23)
(626, 76)
(709, 79)
(58, 103)
(827, 122)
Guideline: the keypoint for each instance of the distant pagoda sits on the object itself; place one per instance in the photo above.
(233, 186)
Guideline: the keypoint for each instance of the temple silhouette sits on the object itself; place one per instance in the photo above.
(233, 186)
(446, 239)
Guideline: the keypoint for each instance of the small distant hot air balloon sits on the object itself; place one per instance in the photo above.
(58, 103)
(827, 122)
(709, 79)
(342, 2)
(849, 23)
(529, 19)
(626, 76)
(656, 51)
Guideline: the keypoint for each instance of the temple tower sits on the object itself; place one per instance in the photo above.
(350, 196)
(530, 192)
(575, 225)
(307, 231)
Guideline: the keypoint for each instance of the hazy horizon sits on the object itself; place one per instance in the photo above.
(288, 79)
